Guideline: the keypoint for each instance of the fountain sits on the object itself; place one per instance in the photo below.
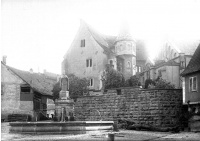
(64, 113)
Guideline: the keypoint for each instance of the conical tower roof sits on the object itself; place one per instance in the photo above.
(124, 33)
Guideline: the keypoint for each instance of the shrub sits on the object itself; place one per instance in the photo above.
(76, 87)
(163, 84)
(114, 79)
(149, 82)
(159, 83)
(132, 81)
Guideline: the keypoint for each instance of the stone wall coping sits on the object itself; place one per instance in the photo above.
(159, 89)
(139, 89)
(92, 96)
(123, 88)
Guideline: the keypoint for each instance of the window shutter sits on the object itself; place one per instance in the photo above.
(194, 83)
(190, 84)
(90, 62)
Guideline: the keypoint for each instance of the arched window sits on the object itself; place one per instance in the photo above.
(128, 64)
(111, 62)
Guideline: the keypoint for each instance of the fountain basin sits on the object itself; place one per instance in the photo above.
(71, 127)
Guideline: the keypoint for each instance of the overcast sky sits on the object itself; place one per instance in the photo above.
(37, 33)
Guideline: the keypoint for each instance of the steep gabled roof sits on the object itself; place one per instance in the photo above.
(194, 64)
(105, 41)
(168, 63)
(186, 47)
(38, 82)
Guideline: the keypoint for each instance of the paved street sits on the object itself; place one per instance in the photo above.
(121, 135)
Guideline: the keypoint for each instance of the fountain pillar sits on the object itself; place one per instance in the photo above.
(64, 105)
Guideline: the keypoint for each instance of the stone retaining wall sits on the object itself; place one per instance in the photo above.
(157, 108)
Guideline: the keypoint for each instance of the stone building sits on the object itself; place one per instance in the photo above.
(24, 92)
(170, 63)
(91, 51)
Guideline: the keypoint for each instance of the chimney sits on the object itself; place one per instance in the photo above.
(31, 70)
(4, 59)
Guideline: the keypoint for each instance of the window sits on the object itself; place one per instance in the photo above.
(182, 64)
(91, 82)
(139, 69)
(2, 88)
(193, 83)
(129, 46)
(89, 63)
(148, 74)
(83, 43)
(159, 73)
(111, 62)
(128, 64)
(25, 89)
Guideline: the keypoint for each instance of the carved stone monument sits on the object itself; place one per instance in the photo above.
(64, 82)
(64, 104)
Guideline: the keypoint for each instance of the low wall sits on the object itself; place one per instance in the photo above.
(157, 108)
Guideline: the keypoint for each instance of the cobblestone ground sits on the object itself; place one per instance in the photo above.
(122, 135)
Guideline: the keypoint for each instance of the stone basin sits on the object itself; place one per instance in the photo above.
(70, 127)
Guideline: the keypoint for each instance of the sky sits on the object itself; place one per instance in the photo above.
(37, 33)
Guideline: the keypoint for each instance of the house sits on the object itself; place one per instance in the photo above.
(91, 51)
(24, 92)
(170, 63)
(191, 77)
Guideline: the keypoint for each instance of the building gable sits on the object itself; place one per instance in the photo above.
(76, 59)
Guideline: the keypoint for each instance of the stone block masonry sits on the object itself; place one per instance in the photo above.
(153, 107)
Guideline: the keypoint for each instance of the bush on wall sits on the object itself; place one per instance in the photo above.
(163, 84)
(159, 83)
(133, 81)
(114, 79)
(76, 87)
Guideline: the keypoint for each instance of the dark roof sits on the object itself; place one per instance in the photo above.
(38, 82)
(194, 64)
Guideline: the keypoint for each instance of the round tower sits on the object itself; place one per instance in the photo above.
(125, 48)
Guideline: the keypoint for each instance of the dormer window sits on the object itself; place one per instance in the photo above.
(83, 43)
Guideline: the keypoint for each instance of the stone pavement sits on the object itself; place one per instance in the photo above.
(122, 135)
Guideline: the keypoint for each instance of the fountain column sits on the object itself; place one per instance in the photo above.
(64, 104)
